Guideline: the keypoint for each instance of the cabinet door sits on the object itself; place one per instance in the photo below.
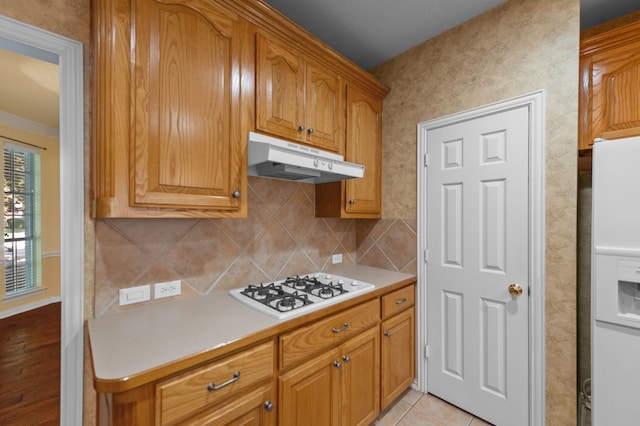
(280, 90)
(361, 379)
(310, 394)
(324, 108)
(189, 145)
(615, 77)
(255, 408)
(397, 355)
(364, 146)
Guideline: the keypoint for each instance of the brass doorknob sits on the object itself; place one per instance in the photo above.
(515, 290)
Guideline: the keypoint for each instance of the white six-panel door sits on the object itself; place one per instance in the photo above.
(477, 239)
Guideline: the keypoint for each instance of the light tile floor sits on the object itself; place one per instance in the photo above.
(415, 408)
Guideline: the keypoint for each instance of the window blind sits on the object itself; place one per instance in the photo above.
(21, 169)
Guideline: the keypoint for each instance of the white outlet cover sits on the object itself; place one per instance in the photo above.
(336, 258)
(167, 289)
(131, 295)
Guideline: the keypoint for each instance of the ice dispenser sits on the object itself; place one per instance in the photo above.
(629, 288)
(618, 302)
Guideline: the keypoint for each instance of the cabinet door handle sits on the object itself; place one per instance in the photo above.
(268, 405)
(310, 131)
(352, 201)
(337, 364)
(213, 387)
(346, 358)
(300, 128)
(340, 330)
(235, 194)
(401, 301)
(387, 333)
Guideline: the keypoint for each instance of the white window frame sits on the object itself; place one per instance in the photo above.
(32, 243)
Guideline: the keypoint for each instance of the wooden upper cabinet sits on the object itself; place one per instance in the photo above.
(364, 146)
(297, 98)
(609, 105)
(174, 83)
(357, 198)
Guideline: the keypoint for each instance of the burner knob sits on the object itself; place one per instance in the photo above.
(354, 283)
(328, 277)
(340, 281)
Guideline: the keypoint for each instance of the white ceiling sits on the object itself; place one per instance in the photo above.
(29, 88)
(369, 32)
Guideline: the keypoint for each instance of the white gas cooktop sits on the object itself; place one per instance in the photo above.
(295, 296)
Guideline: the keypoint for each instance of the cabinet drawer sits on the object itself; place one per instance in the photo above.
(398, 301)
(184, 395)
(323, 334)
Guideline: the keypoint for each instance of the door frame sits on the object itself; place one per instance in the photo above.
(535, 102)
(71, 206)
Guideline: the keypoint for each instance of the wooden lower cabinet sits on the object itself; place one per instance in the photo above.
(397, 359)
(339, 387)
(255, 408)
(327, 375)
(361, 379)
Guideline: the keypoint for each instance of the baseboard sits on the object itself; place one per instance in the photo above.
(33, 305)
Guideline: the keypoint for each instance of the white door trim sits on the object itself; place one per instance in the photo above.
(71, 206)
(535, 103)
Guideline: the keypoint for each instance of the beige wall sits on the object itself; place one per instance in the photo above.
(514, 49)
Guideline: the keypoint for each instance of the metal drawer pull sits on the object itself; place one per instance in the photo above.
(340, 330)
(387, 333)
(268, 405)
(212, 386)
(401, 301)
(346, 358)
(337, 364)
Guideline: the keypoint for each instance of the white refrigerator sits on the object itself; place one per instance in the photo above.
(616, 283)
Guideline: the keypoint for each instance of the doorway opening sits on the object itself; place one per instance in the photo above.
(71, 137)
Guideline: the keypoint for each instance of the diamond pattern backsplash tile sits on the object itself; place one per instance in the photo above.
(387, 243)
(275, 240)
(280, 237)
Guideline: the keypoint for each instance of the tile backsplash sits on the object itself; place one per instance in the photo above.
(387, 243)
(280, 237)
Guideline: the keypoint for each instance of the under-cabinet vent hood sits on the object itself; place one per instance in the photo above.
(278, 159)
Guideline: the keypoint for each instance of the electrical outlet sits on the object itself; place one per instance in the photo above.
(132, 295)
(166, 289)
(336, 258)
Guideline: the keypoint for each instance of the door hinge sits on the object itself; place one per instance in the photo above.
(426, 256)
(426, 351)
(427, 160)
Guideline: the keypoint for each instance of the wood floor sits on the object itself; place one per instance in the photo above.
(30, 367)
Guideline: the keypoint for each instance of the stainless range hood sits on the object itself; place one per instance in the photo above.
(279, 159)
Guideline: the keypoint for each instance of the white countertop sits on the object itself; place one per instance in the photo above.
(128, 343)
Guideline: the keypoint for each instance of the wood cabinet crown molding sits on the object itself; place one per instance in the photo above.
(272, 22)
